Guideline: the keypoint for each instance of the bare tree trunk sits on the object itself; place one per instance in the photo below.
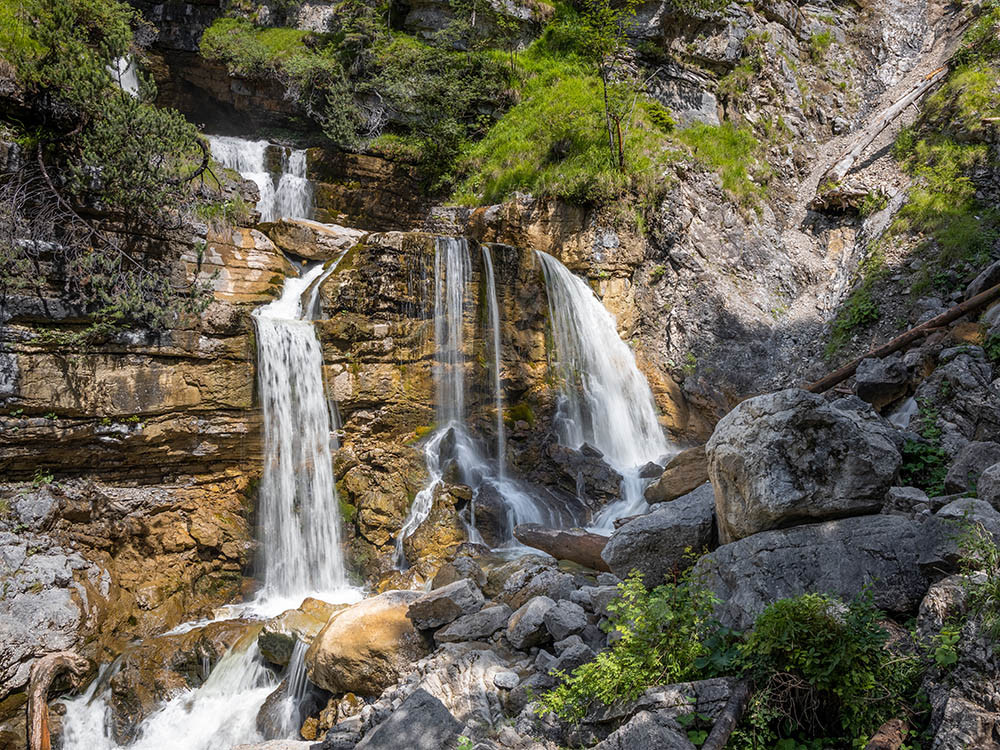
(43, 672)
(729, 718)
(843, 165)
(970, 305)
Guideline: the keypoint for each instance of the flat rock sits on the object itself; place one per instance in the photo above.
(684, 473)
(475, 627)
(446, 604)
(841, 558)
(660, 542)
(420, 723)
(790, 457)
(576, 545)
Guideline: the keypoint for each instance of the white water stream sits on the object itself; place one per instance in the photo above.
(286, 195)
(299, 554)
(494, 321)
(124, 74)
(606, 401)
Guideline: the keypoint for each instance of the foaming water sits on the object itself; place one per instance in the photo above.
(605, 400)
(286, 195)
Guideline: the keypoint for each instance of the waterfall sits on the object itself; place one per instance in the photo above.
(299, 510)
(124, 74)
(605, 400)
(494, 313)
(291, 197)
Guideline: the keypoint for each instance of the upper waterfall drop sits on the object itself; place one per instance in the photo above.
(606, 401)
(299, 514)
(290, 195)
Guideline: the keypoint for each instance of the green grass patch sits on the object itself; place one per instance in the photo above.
(731, 151)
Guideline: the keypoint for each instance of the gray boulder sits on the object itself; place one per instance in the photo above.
(526, 627)
(659, 542)
(789, 457)
(475, 627)
(989, 277)
(647, 730)
(881, 381)
(888, 554)
(446, 604)
(420, 723)
(988, 486)
(565, 619)
(971, 510)
(970, 462)
(516, 582)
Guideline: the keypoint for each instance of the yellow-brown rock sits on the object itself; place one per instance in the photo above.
(684, 473)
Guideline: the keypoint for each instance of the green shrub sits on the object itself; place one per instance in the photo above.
(925, 463)
(819, 45)
(732, 152)
(820, 669)
(660, 639)
(981, 568)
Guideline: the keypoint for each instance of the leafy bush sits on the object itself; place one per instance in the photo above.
(660, 639)
(981, 567)
(821, 669)
(819, 45)
(925, 463)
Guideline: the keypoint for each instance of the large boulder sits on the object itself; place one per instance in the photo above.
(526, 627)
(586, 473)
(891, 555)
(421, 722)
(311, 239)
(519, 580)
(278, 636)
(446, 604)
(789, 457)
(576, 545)
(661, 541)
(364, 648)
(684, 473)
(988, 486)
(881, 381)
(647, 730)
(969, 464)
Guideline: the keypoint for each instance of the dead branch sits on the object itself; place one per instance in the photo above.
(730, 717)
(843, 164)
(43, 672)
(978, 302)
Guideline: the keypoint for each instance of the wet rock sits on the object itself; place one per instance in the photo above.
(446, 604)
(587, 474)
(576, 545)
(684, 473)
(278, 636)
(526, 627)
(884, 553)
(790, 457)
(660, 542)
(421, 722)
(492, 521)
(881, 381)
(476, 626)
(311, 239)
(565, 619)
(364, 648)
(969, 464)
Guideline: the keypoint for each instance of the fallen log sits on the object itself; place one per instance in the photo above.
(576, 545)
(729, 718)
(43, 672)
(843, 164)
(974, 304)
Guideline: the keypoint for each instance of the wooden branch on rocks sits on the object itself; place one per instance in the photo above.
(903, 340)
(43, 672)
(885, 118)
(729, 718)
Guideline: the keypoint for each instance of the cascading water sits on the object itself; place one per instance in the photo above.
(494, 313)
(290, 197)
(452, 274)
(605, 400)
(124, 74)
(300, 550)
(299, 510)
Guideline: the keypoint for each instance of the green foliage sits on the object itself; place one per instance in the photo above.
(660, 636)
(860, 309)
(699, 8)
(873, 202)
(981, 568)
(992, 348)
(925, 463)
(733, 152)
(520, 412)
(819, 45)
(945, 645)
(821, 669)
(348, 512)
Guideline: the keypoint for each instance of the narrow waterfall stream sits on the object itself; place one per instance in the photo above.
(494, 322)
(288, 196)
(123, 73)
(299, 556)
(605, 400)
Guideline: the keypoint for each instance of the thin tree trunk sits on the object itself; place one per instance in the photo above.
(607, 117)
(729, 718)
(43, 672)
(971, 305)
(843, 165)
